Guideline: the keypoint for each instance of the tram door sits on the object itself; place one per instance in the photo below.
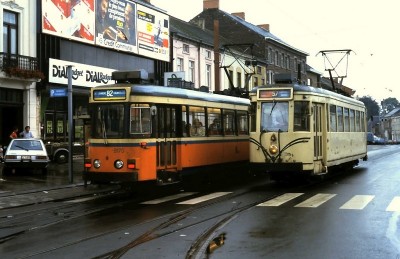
(166, 139)
(317, 126)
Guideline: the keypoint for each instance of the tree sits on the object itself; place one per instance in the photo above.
(371, 105)
(389, 104)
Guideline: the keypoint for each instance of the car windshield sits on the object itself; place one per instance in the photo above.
(26, 145)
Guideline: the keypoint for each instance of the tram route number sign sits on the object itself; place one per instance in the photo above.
(109, 94)
(275, 94)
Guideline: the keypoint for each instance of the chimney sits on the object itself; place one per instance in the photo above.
(264, 27)
(240, 15)
(210, 4)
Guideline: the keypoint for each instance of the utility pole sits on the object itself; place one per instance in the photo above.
(70, 125)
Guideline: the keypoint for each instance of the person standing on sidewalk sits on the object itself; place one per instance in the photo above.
(26, 133)
(14, 133)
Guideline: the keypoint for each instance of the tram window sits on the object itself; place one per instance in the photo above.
(346, 120)
(352, 126)
(229, 122)
(339, 112)
(166, 121)
(185, 124)
(214, 121)
(332, 118)
(301, 116)
(109, 121)
(253, 113)
(197, 117)
(358, 122)
(242, 122)
(362, 121)
(140, 120)
(274, 116)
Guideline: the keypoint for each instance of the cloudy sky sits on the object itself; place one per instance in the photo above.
(368, 28)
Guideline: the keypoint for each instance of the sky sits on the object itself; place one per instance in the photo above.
(366, 27)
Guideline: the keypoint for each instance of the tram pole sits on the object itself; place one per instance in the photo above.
(70, 125)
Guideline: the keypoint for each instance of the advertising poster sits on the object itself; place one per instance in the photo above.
(116, 25)
(153, 33)
(72, 19)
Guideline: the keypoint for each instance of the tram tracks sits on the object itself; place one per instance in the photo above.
(150, 230)
(209, 240)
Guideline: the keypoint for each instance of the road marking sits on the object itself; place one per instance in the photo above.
(394, 204)
(204, 198)
(358, 202)
(168, 198)
(316, 200)
(280, 199)
(82, 199)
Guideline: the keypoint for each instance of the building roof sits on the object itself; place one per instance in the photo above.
(190, 31)
(241, 33)
(393, 113)
(266, 34)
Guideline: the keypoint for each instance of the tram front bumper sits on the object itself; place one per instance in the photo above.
(110, 177)
(276, 167)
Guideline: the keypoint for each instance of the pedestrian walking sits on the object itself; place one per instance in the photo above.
(26, 133)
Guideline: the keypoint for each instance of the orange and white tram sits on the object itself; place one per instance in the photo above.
(302, 129)
(155, 133)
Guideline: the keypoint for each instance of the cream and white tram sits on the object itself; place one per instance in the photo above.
(302, 129)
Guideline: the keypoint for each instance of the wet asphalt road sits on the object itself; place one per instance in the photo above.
(348, 216)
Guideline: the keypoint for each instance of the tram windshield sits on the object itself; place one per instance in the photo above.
(108, 121)
(274, 116)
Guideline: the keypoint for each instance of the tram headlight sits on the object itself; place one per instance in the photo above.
(118, 164)
(273, 149)
(96, 163)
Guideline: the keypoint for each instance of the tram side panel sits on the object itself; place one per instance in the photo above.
(343, 147)
(213, 151)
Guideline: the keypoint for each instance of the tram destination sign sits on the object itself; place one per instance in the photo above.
(275, 94)
(109, 94)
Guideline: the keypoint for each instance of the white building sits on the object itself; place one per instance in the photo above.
(19, 103)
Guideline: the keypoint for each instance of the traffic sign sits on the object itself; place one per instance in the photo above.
(58, 92)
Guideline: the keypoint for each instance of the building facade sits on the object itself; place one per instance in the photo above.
(193, 59)
(265, 48)
(19, 75)
(95, 37)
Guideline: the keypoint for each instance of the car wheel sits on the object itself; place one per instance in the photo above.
(61, 157)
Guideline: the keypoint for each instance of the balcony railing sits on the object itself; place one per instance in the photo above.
(20, 66)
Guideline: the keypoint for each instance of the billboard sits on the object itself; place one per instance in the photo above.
(122, 25)
(116, 25)
(153, 33)
(72, 19)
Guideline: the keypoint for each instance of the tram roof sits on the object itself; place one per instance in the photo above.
(310, 89)
(163, 91)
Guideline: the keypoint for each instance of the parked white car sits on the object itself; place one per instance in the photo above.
(25, 154)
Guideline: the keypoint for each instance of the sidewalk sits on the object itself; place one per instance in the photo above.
(34, 188)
